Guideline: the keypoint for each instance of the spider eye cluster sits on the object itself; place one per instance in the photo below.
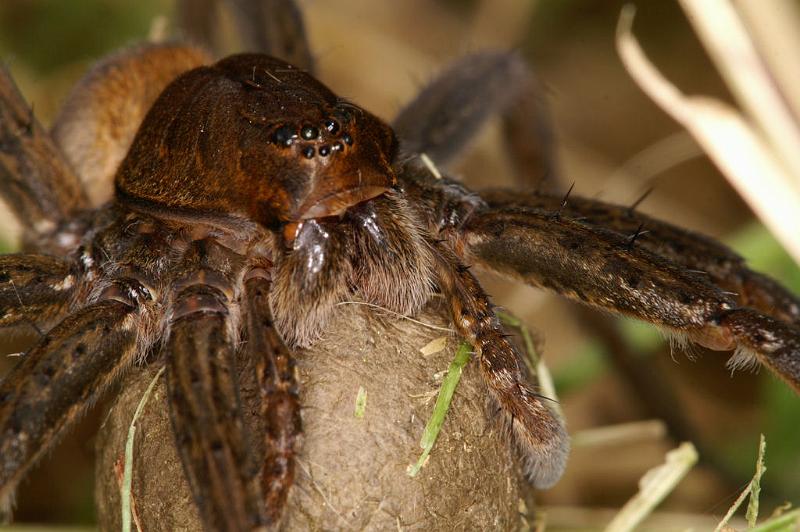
(323, 140)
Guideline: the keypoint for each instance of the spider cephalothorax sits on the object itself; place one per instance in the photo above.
(271, 145)
(278, 161)
(253, 200)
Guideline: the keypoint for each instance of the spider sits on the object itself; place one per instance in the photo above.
(252, 200)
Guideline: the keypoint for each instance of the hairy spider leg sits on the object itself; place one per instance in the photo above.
(99, 118)
(65, 372)
(277, 383)
(599, 268)
(691, 250)
(447, 114)
(538, 431)
(36, 181)
(273, 27)
(203, 398)
(753, 335)
(35, 290)
(276, 28)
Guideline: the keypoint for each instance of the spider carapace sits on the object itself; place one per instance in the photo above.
(268, 143)
(253, 200)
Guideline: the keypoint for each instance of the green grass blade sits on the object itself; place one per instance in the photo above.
(788, 522)
(442, 405)
(361, 402)
(755, 490)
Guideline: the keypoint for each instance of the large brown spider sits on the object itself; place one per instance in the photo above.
(252, 200)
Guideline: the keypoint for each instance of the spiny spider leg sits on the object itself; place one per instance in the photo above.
(35, 180)
(280, 407)
(205, 409)
(34, 289)
(537, 430)
(602, 269)
(68, 370)
(725, 268)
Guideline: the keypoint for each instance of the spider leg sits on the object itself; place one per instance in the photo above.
(198, 21)
(530, 141)
(539, 432)
(97, 122)
(448, 112)
(36, 182)
(276, 28)
(691, 250)
(68, 370)
(273, 27)
(206, 412)
(34, 289)
(280, 409)
(606, 270)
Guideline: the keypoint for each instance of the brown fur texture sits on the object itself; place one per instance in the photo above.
(99, 118)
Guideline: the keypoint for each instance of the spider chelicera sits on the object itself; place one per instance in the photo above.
(252, 201)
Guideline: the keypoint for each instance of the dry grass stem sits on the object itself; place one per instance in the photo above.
(621, 434)
(126, 494)
(654, 486)
(764, 170)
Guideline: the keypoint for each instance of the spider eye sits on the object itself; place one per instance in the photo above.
(284, 135)
(309, 133)
(332, 126)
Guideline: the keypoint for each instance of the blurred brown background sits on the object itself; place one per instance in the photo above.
(612, 143)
